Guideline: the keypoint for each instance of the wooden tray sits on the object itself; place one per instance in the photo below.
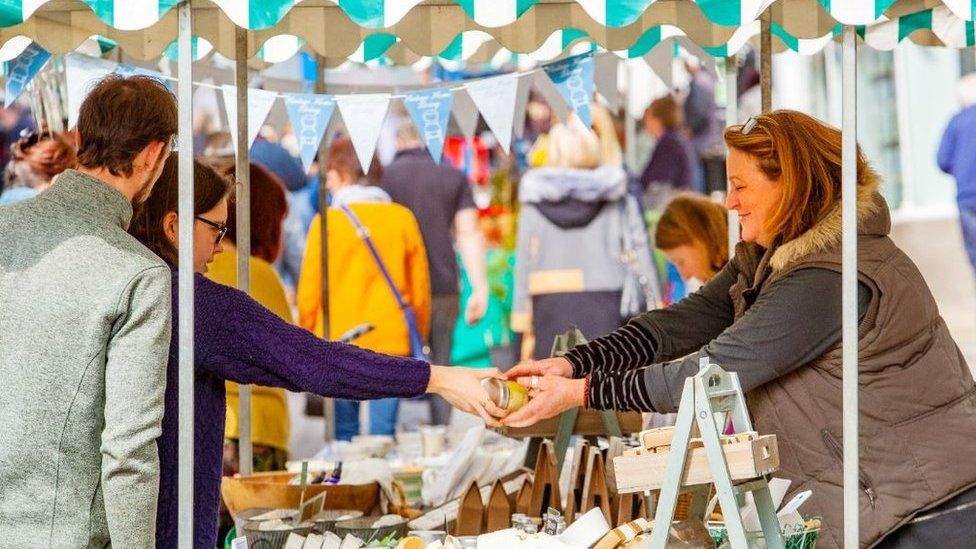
(271, 490)
(588, 423)
(746, 460)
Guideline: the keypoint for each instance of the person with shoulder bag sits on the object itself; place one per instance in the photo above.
(378, 275)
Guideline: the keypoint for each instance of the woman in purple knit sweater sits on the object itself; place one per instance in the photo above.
(239, 340)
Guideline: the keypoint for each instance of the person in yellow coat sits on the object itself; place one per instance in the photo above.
(269, 406)
(358, 291)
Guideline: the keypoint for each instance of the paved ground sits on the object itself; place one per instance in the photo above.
(935, 246)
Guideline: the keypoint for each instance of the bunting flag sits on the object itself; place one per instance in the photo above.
(661, 61)
(310, 115)
(552, 96)
(259, 103)
(495, 98)
(363, 116)
(605, 79)
(431, 112)
(81, 73)
(22, 70)
(573, 77)
(522, 103)
(465, 113)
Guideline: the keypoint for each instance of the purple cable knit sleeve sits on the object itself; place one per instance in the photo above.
(242, 341)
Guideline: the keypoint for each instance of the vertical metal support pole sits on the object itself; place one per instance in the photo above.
(186, 222)
(328, 412)
(731, 118)
(243, 213)
(766, 60)
(849, 291)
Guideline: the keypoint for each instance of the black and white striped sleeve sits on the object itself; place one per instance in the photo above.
(622, 391)
(626, 348)
(792, 322)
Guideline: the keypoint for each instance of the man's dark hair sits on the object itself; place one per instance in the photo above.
(120, 117)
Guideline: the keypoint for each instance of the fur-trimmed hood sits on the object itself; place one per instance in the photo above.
(873, 219)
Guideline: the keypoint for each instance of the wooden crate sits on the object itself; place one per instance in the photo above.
(589, 422)
(745, 459)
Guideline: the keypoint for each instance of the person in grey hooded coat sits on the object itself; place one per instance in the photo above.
(582, 252)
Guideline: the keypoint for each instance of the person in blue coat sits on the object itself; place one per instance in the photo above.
(957, 157)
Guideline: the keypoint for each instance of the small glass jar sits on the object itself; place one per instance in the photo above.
(507, 395)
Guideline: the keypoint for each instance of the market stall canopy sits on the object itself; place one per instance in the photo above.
(366, 29)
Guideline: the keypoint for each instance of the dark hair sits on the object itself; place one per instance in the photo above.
(269, 206)
(36, 158)
(120, 117)
(667, 110)
(147, 222)
(343, 159)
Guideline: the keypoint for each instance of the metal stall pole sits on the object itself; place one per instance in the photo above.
(186, 222)
(328, 405)
(731, 118)
(849, 289)
(766, 60)
(243, 212)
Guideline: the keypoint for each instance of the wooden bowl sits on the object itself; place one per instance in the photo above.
(272, 491)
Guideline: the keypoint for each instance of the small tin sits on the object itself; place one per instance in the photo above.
(507, 395)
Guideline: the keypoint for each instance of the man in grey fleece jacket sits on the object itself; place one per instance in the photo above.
(84, 336)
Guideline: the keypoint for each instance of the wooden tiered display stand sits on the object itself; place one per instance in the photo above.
(675, 461)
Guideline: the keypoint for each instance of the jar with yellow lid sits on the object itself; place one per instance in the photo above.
(507, 395)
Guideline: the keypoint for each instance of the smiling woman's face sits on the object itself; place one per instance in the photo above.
(753, 196)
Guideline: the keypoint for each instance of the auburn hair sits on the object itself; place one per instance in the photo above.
(37, 158)
(696, 221)
(667, 110)
(804, 155)
(269, 206)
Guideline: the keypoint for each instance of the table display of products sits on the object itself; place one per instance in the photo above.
(601, 490)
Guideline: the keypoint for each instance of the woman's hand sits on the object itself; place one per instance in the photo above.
(547, 367)
(551, 396)
(462, 388)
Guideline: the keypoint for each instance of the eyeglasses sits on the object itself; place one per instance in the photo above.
(221, 228)
(749, 125)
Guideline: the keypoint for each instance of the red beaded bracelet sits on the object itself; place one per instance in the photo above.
(586, 391)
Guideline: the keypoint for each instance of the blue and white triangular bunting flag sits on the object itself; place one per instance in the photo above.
(431, 112)
(22, 69)
(310, 115)
(573, 77)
